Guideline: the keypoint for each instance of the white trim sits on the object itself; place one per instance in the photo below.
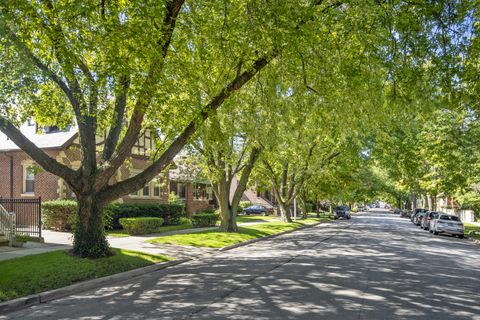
(25, 165)
(28, 194)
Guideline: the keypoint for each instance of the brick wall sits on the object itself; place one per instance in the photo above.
(194, 205)
(46, 184)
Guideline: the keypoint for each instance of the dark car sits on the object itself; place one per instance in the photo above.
(405, 213)
(341, 212)
(415, 212)
(257, 209)
(419, 218)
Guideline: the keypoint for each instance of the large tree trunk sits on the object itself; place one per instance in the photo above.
(285, 214)
(227, 211)
(89, 239)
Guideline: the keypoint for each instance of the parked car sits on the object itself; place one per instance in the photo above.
(419, 217)
(429, 216)
(341, 212)
(446, 223)
(257, 209)
(405, 214)
(415, 212)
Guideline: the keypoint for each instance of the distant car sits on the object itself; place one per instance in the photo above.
(419, 217)
(445, 223)
(257, 209)
(415, 212)
(429, 216)
(397, 211)
(405, 214)
(362, 208)
(341, 212)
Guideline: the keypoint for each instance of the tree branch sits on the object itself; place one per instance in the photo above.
(118, 116)
(242, 183)
(135, 183)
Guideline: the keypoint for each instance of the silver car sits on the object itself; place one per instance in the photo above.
(445, 223)
(429, 217)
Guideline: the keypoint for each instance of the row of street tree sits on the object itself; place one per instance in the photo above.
(315, 99)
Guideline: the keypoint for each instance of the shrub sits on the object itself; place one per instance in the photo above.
(184, 220)
(141, 225)
(59, 215)
(170, 213)
(205, 219)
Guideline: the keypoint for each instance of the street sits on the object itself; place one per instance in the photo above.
(374, 266)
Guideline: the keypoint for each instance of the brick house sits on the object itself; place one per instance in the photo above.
(20, 177)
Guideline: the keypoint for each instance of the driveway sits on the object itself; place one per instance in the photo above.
(375, 266)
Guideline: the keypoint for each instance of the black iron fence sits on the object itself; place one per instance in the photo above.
(28, 215)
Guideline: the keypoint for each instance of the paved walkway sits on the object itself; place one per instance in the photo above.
(11, 253)
(55, 240)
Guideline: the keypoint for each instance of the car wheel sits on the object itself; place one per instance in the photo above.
(431, 231)
(435, 232)
(461, 236)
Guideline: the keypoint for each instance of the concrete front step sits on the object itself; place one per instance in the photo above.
(3, 241)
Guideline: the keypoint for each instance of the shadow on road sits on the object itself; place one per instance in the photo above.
(377, 266)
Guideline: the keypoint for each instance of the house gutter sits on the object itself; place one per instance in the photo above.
(11, 172)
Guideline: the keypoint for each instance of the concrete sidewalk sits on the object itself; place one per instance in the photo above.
(12, 253)
(55, 240)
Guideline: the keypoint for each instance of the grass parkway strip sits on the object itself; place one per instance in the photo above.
(46, 271)
(218, 239)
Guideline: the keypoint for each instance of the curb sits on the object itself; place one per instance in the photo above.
(245, 243)
(474, 241)
(43, 297)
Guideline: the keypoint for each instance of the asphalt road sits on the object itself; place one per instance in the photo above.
(375, 266)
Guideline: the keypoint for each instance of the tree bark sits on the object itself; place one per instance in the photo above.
(285, 214)
(228, 211)
(89, 239)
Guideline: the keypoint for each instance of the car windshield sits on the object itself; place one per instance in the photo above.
(341, 208)
(451, 218)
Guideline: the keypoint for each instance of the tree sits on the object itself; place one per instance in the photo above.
(108, 64)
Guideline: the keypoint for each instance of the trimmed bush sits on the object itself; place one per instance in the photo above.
(205, 219)
(141, 225)
(184, 220)
(170, 213)
(59, 214)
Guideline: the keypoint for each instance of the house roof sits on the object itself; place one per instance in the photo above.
(51, 140)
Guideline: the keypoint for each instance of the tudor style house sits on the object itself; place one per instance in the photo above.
(20, 177)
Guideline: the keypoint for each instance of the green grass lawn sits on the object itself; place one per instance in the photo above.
(472, 227)
(123, 233)
(218, 239)
(241, 219)
(46, 271)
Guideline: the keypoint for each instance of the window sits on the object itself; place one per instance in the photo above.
(181, 190)
(146, 191)
(199, 191)
(29, 176)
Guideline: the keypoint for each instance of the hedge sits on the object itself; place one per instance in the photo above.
(170, 213)
(141, 225)
(59, 214)
(205, 219)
